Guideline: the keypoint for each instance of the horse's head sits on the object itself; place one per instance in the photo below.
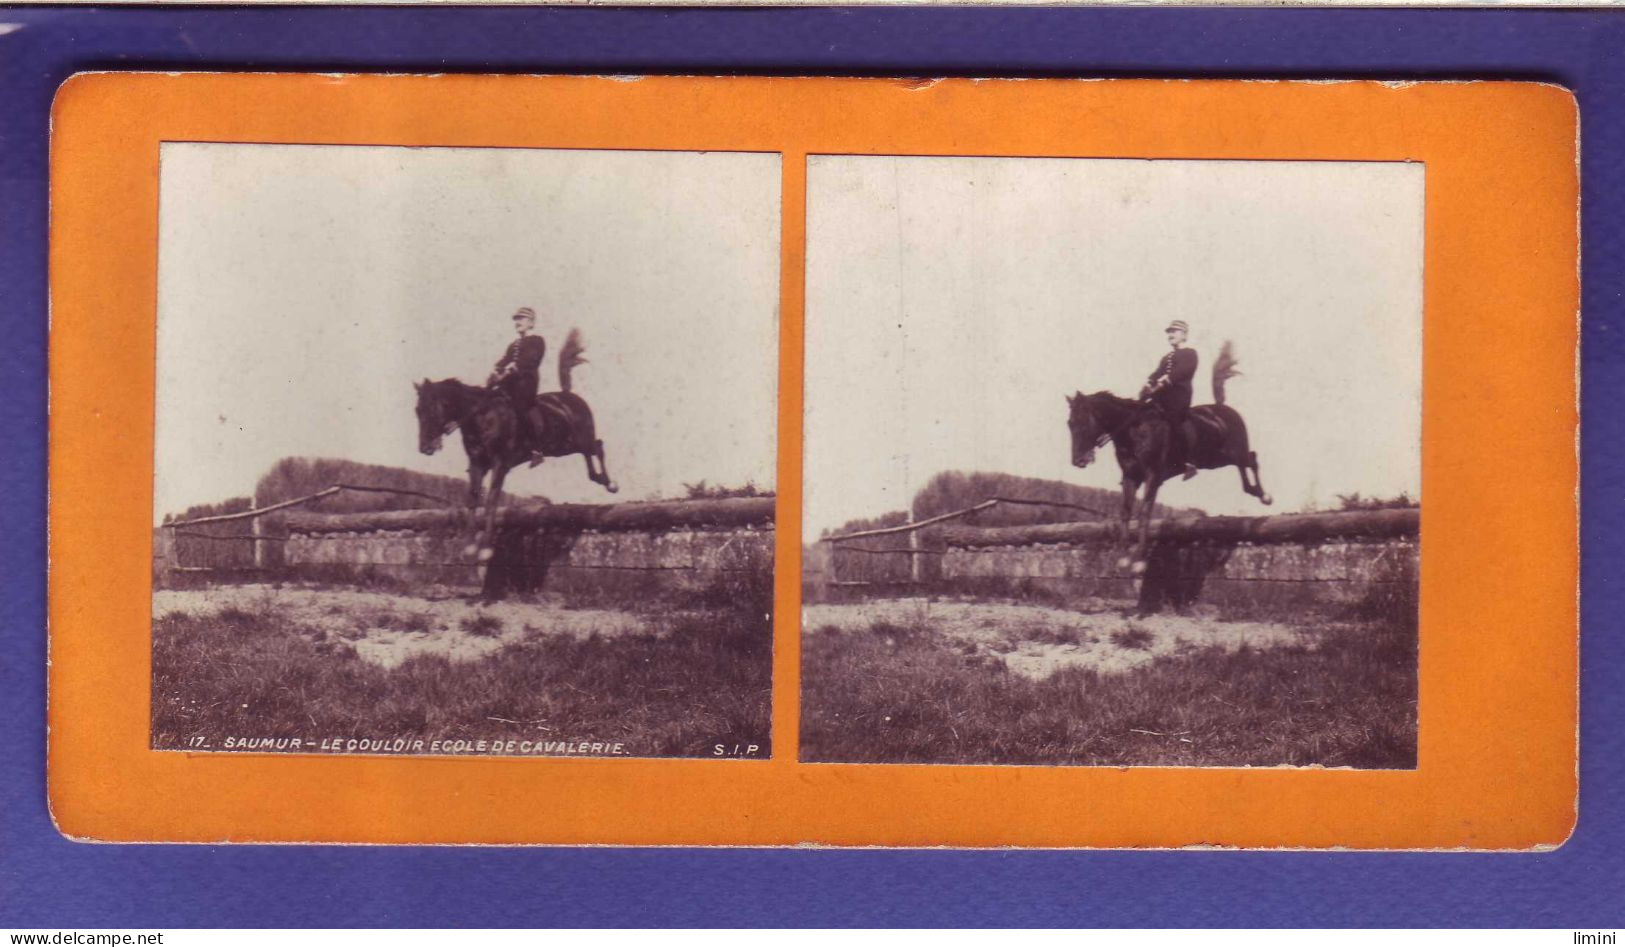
(1087, 434)
(435, 418)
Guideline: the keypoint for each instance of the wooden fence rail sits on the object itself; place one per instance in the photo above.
(987, 504)
(1298, 528)
(299, 501)
(651, 516)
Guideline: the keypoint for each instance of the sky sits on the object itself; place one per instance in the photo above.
(303, 289)
(953, 302)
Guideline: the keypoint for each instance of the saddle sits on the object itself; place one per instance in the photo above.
(1205, 425)
(549, 423)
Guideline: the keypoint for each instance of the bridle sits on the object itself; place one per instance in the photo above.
(447, 425)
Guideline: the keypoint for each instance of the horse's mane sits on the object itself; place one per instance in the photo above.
(456, 385)
(456, 394)
(1107, 407)
(1116, 401)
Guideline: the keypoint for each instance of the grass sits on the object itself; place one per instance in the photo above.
(1134, 639)
(677, 690)
(1057, 635)
(911, 697)
(482, 625)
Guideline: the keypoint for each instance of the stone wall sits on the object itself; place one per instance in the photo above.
(1366, 560)
(1334, 573)
(566, 549)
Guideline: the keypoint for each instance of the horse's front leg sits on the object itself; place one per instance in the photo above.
(1125, 523)
(1147, 507)
(492, 501)
(476, 480)
(1131, 486)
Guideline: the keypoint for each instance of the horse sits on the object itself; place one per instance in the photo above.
(490, 429)
(1142, 438)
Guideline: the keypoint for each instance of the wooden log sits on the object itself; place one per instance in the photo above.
(251, 513)
(658, 515)
(255, 514)
(911, 526)
(1288, 528)
(914, 527)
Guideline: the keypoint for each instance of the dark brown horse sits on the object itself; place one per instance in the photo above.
(1142, 438)
(490, 429)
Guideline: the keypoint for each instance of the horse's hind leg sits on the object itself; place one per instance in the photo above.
(1256, 488)
(1246, 484)
(601, 475)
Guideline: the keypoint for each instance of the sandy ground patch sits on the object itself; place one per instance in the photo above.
(387, 629)
(1036, 641)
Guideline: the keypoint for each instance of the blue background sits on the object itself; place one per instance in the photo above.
(47, 881)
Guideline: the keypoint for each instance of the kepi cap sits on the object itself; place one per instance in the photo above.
(525, 312)
(1180, 325)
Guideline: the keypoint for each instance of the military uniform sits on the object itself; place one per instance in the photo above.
(518, 375)
(1170, 389)
(1178, 367)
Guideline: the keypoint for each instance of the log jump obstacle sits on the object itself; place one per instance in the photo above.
(1357, 557)
(565, 546)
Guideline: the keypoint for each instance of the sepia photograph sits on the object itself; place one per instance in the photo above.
(531, 441)
(445, 460)
(1112, 462)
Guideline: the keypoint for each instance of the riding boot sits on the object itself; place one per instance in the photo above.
(526, 432)
(532, 439)
(1188, 449)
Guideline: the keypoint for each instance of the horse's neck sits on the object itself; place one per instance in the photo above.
(462, 399)
(1117, 413)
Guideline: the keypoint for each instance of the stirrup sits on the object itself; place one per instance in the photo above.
(1190, 471)
(536, 458)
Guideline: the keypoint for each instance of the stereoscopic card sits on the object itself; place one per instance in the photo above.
(748, 461)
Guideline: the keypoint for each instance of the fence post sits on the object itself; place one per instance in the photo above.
(254, 529)
(913, 550)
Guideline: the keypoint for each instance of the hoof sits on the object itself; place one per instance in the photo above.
(1138, 568)
(469, 551)
(485, 554)
(1123, 562)
(1266, 499)
(612, 487)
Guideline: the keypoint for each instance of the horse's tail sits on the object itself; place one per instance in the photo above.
(1224, 369)
(570, 357)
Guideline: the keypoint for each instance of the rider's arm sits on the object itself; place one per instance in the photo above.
(502, 369)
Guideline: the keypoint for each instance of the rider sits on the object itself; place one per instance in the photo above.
(1169, 388)
(517, 374)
